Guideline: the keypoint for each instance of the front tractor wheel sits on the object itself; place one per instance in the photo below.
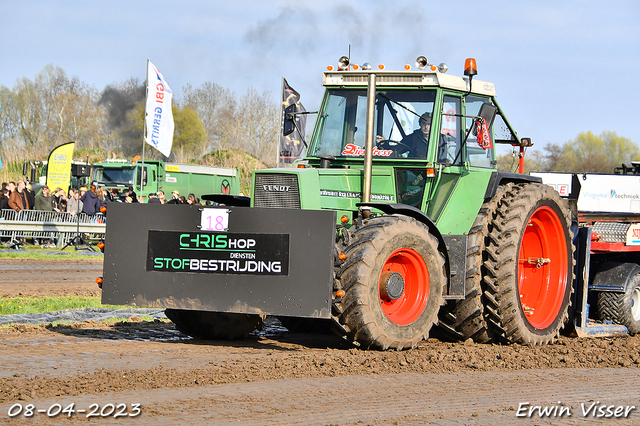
(393, 278)
(530, 266)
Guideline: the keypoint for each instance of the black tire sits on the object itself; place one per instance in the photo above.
(409, 255)
(529, 267)
(214, 325)
(622, 308)
(460, 320)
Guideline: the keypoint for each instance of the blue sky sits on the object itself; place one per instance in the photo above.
(559, 67)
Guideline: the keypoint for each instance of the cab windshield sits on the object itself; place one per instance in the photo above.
(112, 176)
(397, 123)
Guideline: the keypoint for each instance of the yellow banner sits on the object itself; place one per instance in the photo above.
(59, 166)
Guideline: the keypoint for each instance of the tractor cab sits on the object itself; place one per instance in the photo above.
(426, 146)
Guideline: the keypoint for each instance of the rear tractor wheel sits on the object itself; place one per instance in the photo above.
(392, 279)
(530, 266)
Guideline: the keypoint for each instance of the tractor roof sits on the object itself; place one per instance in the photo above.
(407, 79)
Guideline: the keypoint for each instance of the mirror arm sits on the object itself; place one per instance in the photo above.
(298, 129)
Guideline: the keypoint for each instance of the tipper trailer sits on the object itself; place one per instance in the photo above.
(395, 221)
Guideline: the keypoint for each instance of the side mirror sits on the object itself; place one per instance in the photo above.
(526, 142)
(488, 112)
(288, 126)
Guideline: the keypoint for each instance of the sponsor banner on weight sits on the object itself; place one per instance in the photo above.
(218, 253)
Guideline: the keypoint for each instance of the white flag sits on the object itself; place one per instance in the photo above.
(159, 118)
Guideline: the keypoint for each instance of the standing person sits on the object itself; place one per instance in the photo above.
(59, 200)
(153, 199)
(175, 198)
(4, 198)
(131, 194)
(18, 200)
(103, 198)
(161, 197)
(74, 205)
(191, 199)
(89, 200)
(31, 197)
(117, 196)
(43, 200)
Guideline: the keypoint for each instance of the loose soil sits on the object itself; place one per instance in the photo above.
(277, 377)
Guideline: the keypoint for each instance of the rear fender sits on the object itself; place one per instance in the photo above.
(614, 276)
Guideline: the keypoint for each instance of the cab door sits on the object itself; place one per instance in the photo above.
(464, 170)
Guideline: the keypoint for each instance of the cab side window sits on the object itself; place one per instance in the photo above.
(450, 136)
(410, 185)
(477, 156)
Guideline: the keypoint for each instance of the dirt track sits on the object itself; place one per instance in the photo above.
(289, 378)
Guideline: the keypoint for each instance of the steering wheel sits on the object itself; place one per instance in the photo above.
(397, 147)
(447, 138)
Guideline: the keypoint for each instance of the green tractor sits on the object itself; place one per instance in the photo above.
(429, 219)
(427, 236)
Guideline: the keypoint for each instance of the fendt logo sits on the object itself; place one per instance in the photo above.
(276, 188)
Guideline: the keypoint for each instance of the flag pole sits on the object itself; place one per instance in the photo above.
(281, 124)
(144, 126)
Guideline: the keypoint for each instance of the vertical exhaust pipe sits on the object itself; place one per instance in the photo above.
(368, 154)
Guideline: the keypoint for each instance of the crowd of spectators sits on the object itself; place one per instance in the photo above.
(89, 200)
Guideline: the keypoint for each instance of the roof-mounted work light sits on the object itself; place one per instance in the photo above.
(422, 62)
(343, 63)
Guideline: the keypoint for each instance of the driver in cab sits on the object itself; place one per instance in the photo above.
(413, 145)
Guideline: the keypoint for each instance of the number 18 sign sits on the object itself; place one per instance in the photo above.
(214, 220)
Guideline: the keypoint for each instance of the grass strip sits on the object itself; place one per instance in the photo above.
(66, 255)
(37, 305)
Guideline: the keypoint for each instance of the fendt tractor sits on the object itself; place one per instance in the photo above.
(396, 221)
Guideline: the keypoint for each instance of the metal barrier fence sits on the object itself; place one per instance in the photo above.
(43, 226)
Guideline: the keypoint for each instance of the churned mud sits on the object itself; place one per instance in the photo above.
(277, 377)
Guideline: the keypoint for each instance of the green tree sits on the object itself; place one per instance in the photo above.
(533, 161)
(589, 153)
(215, 106)
(188, 135)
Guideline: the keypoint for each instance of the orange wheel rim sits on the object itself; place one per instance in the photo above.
(543, 268)
(410, 305)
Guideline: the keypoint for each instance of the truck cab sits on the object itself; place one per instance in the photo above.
(120, 174)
